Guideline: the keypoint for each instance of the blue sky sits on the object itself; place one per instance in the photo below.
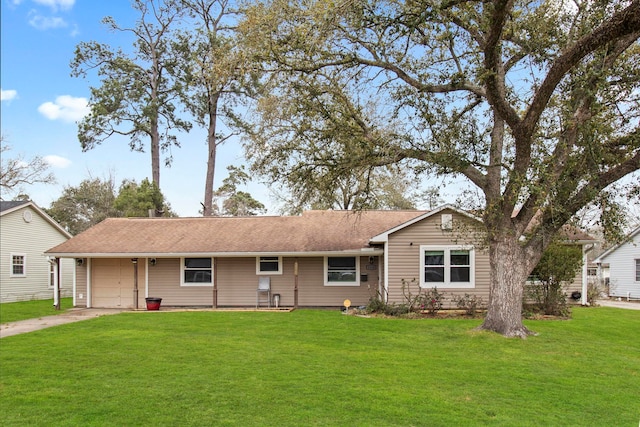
(41, 103)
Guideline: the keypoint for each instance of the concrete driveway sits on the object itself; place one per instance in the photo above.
(629, 305)
(73, 315)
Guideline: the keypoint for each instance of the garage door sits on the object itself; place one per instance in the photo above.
(112, 283)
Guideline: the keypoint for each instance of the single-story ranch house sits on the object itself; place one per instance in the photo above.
(317, 259)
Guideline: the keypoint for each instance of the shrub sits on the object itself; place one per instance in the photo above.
(594, 290)
(431, 300)
(469, 303)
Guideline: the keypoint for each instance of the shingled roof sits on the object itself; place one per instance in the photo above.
(312, 232)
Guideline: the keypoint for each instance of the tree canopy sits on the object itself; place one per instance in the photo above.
(16, 172)
(232, 200)
(137, 95)
(535, 103)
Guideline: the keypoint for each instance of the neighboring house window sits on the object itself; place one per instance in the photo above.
(18, 265)
(638, 270)
(269, 265)
(341, 271)
(197, 272)
(52, 275)
(447, 267)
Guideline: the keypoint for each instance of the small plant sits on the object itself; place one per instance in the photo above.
(412, 302)
(431, 300)
(594, 291)
(468, 303)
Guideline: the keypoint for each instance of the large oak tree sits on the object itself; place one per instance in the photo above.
(536, 103)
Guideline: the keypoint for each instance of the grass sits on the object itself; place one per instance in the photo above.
(14, 311)
(321, 368)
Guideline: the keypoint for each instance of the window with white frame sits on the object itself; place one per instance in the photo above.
(269, 265)
(341, 271)
(52, 275)
(447, 267)
(638, 270)
(197, 272)
(18, 265)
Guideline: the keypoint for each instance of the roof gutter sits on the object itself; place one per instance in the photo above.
(350, 252)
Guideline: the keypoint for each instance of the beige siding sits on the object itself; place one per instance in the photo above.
(237, 283)
(30, 239)
(164, 282)
(404, 255)
(81, 284)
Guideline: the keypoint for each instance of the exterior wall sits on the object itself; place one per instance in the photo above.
(403, 252)
(622, 269)
(80, 297)
(237, 283)
(31, 239)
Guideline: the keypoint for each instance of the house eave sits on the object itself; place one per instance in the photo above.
(346, 252)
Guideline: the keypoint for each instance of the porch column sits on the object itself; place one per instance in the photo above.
(215, 283)
(135, 282)
(295, 284)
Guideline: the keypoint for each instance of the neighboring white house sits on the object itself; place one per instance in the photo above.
(26, 273)
(624, 267)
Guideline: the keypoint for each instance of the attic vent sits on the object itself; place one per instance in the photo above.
(447, 222)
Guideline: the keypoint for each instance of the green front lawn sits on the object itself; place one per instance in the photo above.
(14, 311)
(313, 367)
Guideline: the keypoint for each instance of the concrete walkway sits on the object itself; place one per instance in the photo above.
(73, 315)
(629, 305)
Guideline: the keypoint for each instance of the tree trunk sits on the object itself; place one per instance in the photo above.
(508, 275)
(207, 206)
(155, 155)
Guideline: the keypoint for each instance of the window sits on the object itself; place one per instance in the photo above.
(18, 265)
(638, 270)
(197, 272)
(52, 275)
(269, 265)
(447, 267)
(342, 271)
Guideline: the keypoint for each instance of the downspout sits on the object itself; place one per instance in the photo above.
(56, 288)
(58, 277)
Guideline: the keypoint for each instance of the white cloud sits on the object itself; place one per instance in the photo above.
(57, 161)
(8, 95)
(46, 22)
(55, 4)
(65, 108)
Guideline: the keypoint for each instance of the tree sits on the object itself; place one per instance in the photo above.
(137, 96)
(17, 172)
(236, 202)
(535, 103)
(559, 265)
(323, 122)
(138, 200)
(85, 205)
(215, 74)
